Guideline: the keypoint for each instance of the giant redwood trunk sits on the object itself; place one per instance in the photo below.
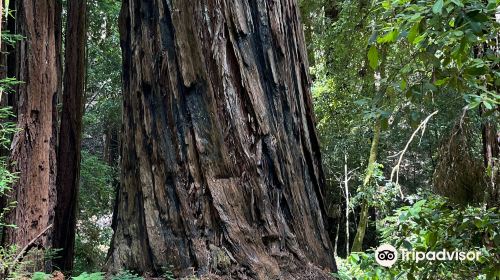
(33, 147)
(221, 168)
(68, 157)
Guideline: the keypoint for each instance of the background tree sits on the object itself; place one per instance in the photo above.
(69, 149)
(33, 148)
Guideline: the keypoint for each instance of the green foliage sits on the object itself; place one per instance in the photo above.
(433, 224)
(452, 45)
(168, 273)
(380, 192)
(8, 254)
(7, 84)
(397, 61)
(90, 276)
(373, 57)
(104, 65)
(102, 117)
(124, 275)
(127, 275)
(40, 276)
(95, 204)
(8, 269)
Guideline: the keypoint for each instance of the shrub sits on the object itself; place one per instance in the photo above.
(433, 224)
(91, 276)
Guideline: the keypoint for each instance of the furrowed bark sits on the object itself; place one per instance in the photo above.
(221, 167)
(33, 147)
(69, 150)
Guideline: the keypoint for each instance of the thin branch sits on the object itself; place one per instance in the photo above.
(23, 251)
(395, 170)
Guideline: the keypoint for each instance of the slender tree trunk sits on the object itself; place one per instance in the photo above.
(2, 60)
(346, 190)
(33, 147)
(1, 19)
(308, 25)
(111, 145)
(357, 245)
(69, 150)
(221, 167)
(491, 152)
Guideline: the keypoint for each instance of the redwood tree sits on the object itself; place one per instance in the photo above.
(221, 166)
(33, 147)
(69, 149)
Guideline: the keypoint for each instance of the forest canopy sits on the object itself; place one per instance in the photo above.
(262, 139)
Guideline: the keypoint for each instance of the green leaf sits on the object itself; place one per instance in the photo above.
(386, 5)
(431, 238)
(413, 33)
(373, 57)
(441, 81)
(429, 87)
(91, 276)
(420, 203)
(488, 105)
(438, 7)
(496, 239)
(419, 39)
(403, 217)
(40, 276)
(389, 37)
(403, 84)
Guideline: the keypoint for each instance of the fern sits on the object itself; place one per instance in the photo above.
(91, 276)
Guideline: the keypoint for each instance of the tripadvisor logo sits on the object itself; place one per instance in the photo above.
(386, 255)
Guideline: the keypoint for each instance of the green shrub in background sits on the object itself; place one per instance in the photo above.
(40, 276)
(95, 211)
(124, 275)
(433, 224)
(8, 265)
(7, 178)
(127, 275)
(90, 276)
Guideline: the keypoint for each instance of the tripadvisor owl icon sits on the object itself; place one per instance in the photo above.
(386, 255)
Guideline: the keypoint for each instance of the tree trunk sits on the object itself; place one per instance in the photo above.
(1, 19)
(68, 158)
(357, 245)
(491, 151)
(221, 167)
(33, 147)
(111, 147)
(346, 191)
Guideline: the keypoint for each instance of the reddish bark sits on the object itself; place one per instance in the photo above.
(69, 150)
(221, 168)
(33, 147)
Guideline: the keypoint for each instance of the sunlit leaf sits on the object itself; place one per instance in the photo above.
(438, 7)
(373, 56)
